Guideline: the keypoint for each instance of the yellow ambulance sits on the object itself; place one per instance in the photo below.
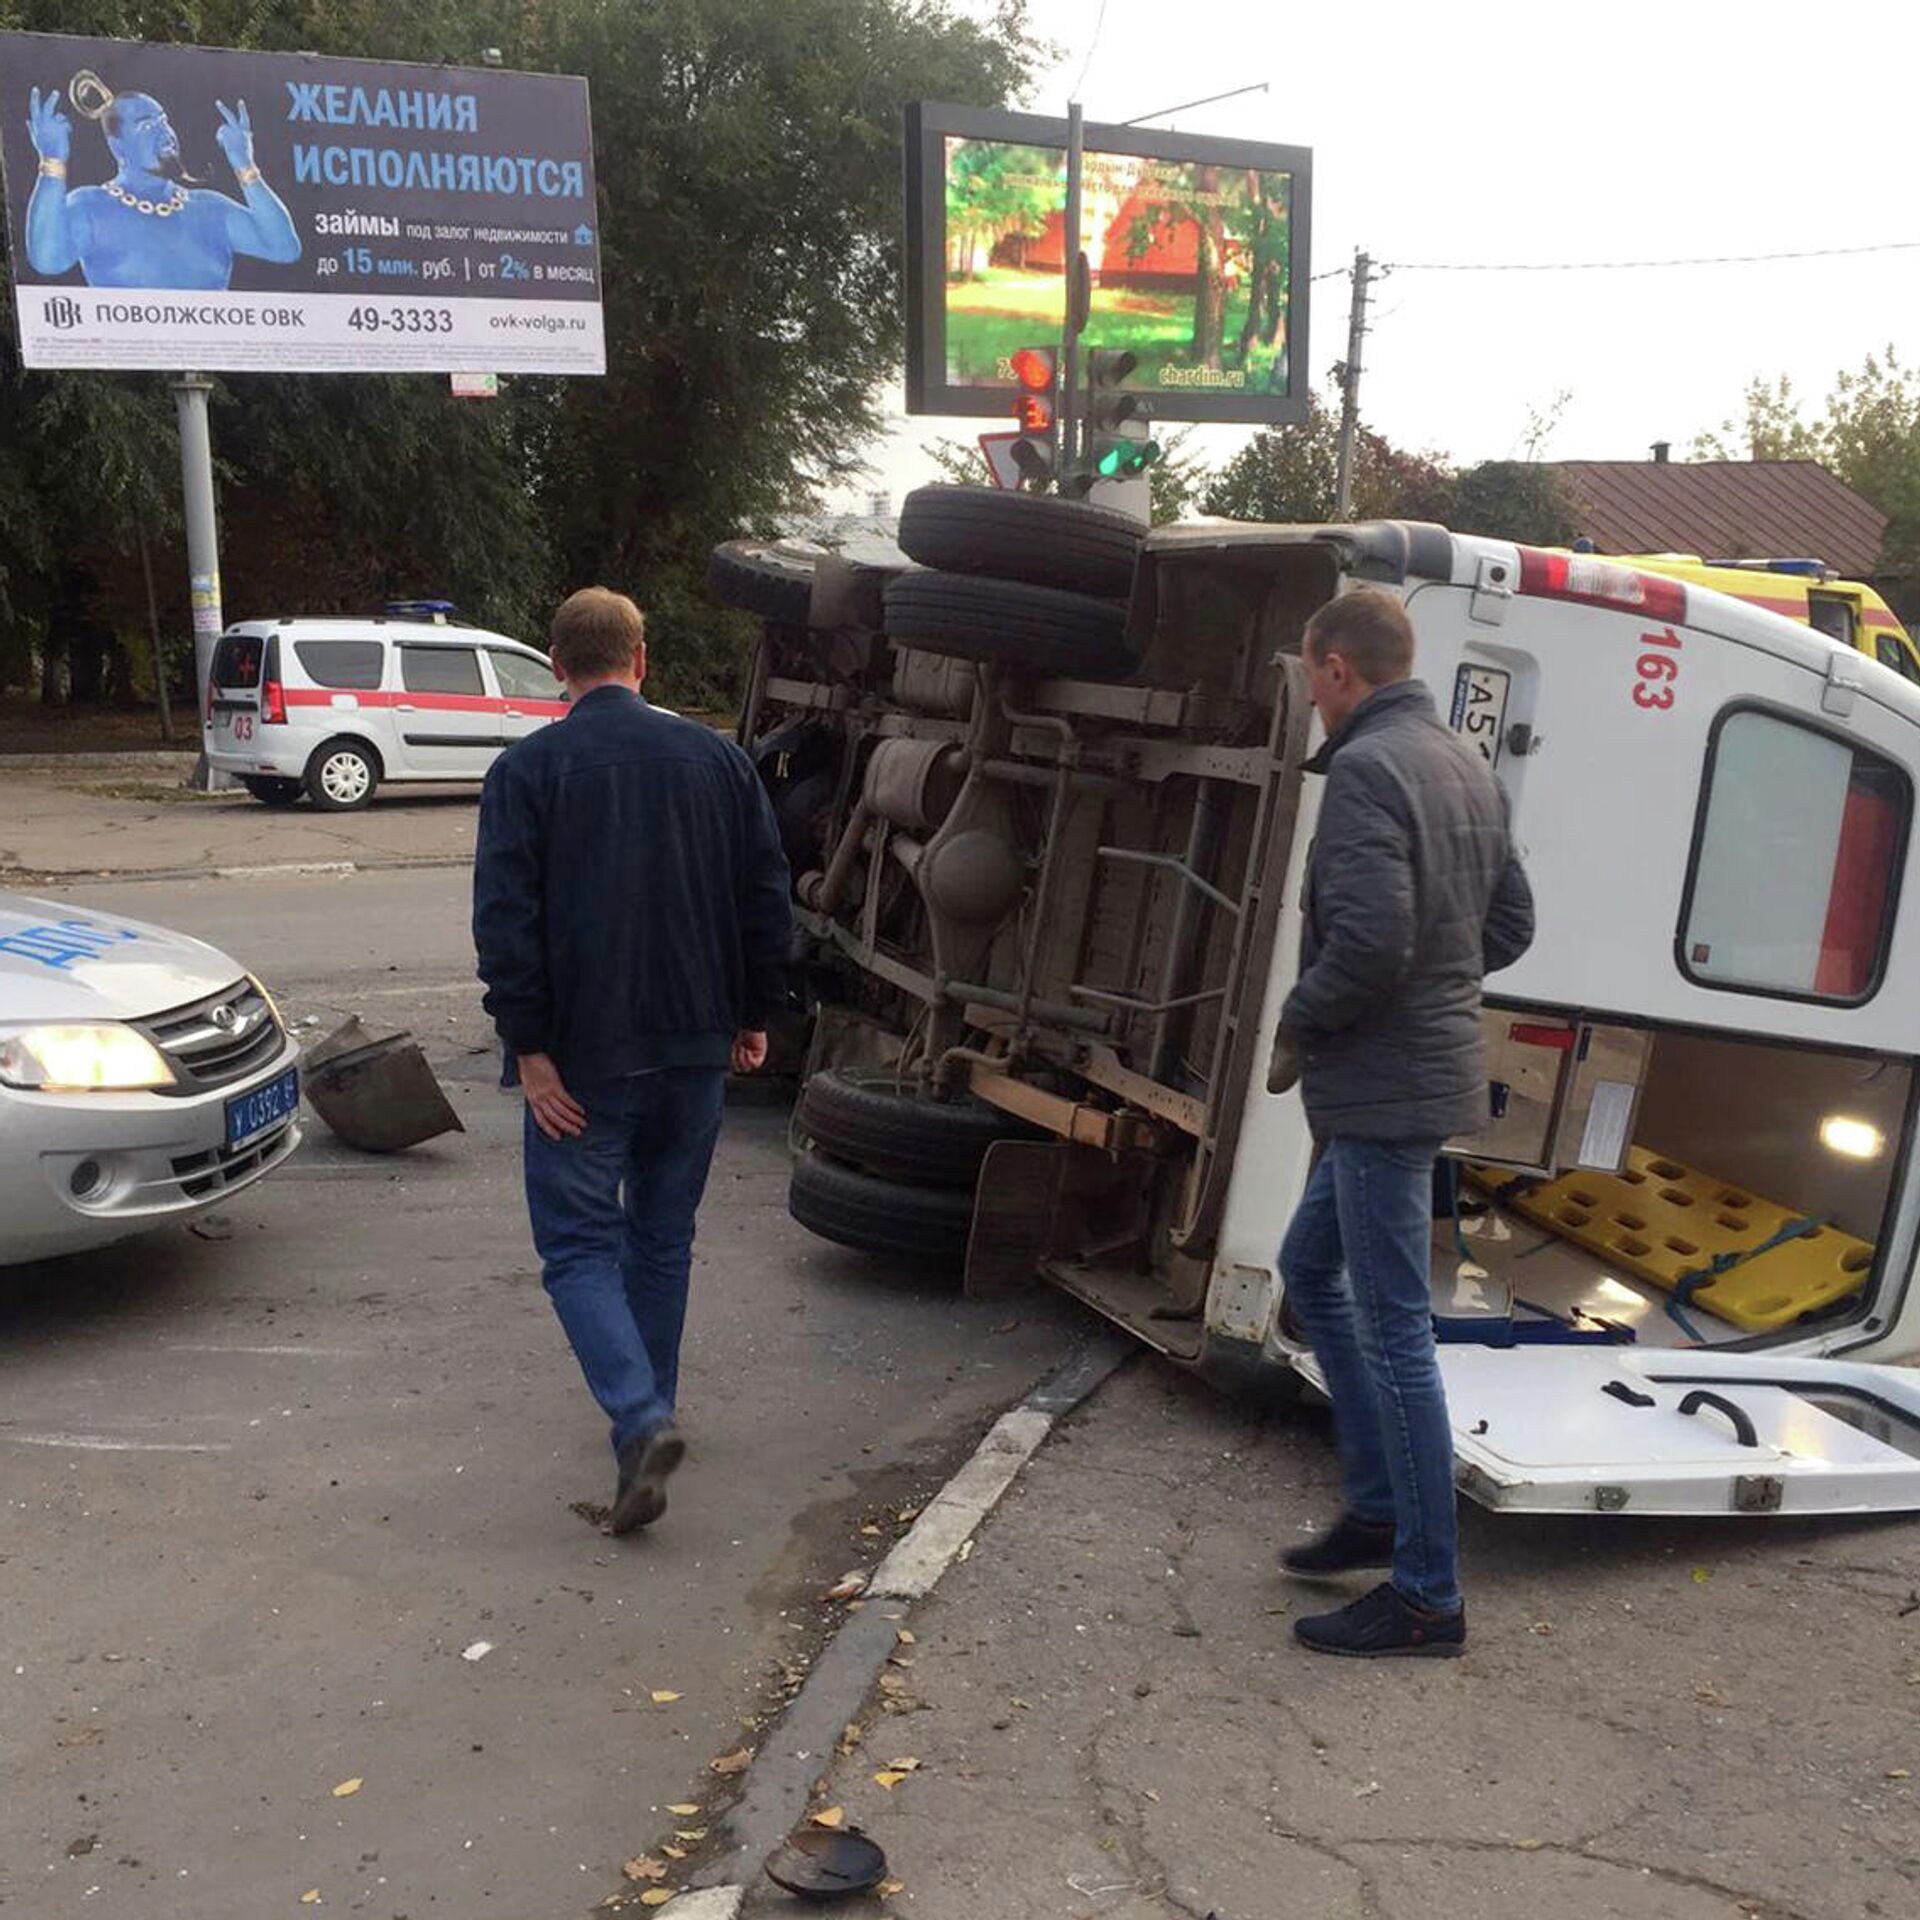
(1804, 590)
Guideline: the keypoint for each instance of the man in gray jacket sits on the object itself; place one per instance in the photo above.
(1413, 893)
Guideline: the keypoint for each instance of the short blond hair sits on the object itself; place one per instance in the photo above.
(595, 632)
(1369, 630)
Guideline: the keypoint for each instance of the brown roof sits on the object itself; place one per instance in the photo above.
(1725, 510)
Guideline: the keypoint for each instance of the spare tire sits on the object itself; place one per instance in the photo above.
(1035, 537)
(1039, 628)
(766, 579)
(856, 1209)
(871, 1121)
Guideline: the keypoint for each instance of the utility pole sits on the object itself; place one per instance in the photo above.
(190, 392)
(1073, 273)
(1350, 384)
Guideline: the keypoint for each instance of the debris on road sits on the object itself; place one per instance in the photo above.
(478, 1651)
(818, 1862)
(348, 1788)
(377, 1095)
(731, 1763)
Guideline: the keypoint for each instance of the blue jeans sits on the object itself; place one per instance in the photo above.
(612, 1214)
(1355, 1262)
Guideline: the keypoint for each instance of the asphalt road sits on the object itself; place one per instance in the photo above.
(261, 1490)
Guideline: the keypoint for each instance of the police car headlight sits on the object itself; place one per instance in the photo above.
(91, 1057)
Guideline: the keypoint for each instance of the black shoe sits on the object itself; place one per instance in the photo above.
(1382, 1625)
(1346, 1546)
(645, 1463)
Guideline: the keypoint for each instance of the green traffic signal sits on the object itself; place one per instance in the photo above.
(1124, 458)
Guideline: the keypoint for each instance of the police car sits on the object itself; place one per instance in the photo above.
(145, 1077)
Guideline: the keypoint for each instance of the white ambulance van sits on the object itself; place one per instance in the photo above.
(330, 709)
(1668, 1267)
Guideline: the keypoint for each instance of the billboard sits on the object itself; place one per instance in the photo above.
(180, 206)
(1197, 249)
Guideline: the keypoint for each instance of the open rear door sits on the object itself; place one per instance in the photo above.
(1679, 1431)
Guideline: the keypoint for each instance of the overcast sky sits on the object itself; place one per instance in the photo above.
(1491, 131)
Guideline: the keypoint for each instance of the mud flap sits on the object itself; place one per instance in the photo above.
(1016, 1213)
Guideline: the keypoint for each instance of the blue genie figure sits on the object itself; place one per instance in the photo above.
(151, 225)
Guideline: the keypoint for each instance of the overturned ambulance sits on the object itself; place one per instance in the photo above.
(1045, 799)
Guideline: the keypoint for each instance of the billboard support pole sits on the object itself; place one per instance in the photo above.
(1072, 275)
(1350, 385)
(190, 392)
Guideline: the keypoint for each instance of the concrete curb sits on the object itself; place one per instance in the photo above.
(805, 1743)
(126, 876)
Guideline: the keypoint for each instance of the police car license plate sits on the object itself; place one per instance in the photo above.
(1480, 708)
(249, 1115)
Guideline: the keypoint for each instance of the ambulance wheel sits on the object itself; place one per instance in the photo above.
(1034, 537)
(870, 1121)
(1039, 629)
(272, 792)
(342, 775)
(860, 1210)
(762, 579)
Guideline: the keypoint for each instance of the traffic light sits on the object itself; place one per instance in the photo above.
(1117, 444)
(1037, 408)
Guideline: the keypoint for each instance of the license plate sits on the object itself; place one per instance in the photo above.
(1480, 709)
(249, 1115)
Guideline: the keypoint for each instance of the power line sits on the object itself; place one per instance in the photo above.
(1099, 27)
(1632, 266)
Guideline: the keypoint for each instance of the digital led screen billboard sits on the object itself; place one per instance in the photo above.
(1197, 251)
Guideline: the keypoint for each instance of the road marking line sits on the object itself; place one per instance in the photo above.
(100, 1443)
(314, 1353)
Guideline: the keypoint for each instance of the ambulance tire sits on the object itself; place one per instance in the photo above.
(1040, 629)
(1037, 538)
(867, 1121)
(273, 792)
(751, 575)
(342, 775)
(871, 1215)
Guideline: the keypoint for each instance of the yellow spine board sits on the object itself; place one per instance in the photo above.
(1659, 1220)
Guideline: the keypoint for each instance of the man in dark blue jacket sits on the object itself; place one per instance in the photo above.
(631, 915)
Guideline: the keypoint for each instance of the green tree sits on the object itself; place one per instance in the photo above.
(1869, 436)
(1514, 500)
(1292, 474)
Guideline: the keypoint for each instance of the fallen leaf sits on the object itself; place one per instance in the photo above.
(348, 1788)
(1541, 1627)
(872, 1532)
(890, 1779)
(908, 1765)
(1151, 1795)
(664, 1696)
(674, 1853)
(907, 1516)
(84, 1738)
(1701, 1575)
(692, 1835)
(311, 1898)
(966, 1552)
(905, 1637)
(478, 1651)
(891, 1887)
(737, 1761)
(1899, 1773)
(829, 1816)
(656, 1896)
(1026, 1706)
(645, 1867)
(683, 1808)
(850, 1739)
(848, 1586)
